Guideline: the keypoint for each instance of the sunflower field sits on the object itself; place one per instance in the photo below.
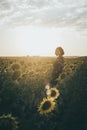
(27, 103)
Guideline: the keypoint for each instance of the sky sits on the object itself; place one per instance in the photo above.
(37, 27)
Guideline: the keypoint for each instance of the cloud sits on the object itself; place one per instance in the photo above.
(50, 13)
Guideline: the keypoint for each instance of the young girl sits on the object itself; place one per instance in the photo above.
(57, 66)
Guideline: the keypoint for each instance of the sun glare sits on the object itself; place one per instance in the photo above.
(36, 41)
(40, 41)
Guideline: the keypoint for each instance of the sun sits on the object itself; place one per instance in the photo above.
(34, 41)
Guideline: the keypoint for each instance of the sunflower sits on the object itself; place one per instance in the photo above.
(46, 106)
(54, 93)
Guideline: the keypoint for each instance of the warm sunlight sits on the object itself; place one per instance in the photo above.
(37, 27)
(41, 41)
(37, 41)
(43, 64)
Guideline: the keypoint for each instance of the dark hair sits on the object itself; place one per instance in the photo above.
(59, 50)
